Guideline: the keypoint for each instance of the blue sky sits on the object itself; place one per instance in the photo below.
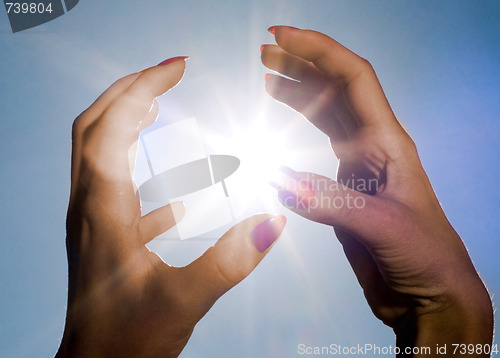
(437, 61)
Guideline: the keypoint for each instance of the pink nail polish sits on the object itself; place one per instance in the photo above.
(267, 232)
(261, 48)
(290, 200)
(173, 59)
(266, 76)
(296, 194)
(272, 29)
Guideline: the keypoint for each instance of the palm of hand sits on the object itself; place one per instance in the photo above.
(125, 293)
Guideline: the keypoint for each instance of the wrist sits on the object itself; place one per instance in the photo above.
(457, 324)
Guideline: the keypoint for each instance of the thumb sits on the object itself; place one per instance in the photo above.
(327, 201)
(232, 258)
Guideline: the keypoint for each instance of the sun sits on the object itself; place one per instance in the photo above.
(262, 150)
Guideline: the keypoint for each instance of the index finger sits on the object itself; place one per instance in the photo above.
(129, 108)
(355, 75)
(110, 136)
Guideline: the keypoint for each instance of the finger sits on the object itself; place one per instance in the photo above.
(107, 97)
(103, 101)
(232, 258)
(354, 74)
(360, 259)
(88, 116)
(128, 110)
(160, 220)
(387, 304)
(369, 218)
(311, 101)
(276, 59)
(110, 137)
(150, 117)
(320, 100)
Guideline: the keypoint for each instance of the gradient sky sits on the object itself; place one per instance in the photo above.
(437, 61)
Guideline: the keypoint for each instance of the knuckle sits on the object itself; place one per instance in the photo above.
(83, 123)
(79, 125)
(363, 67)
(407, 146)
(224, 277)
(365, 64)
(219, 273)
(411, 145)
(358, 68)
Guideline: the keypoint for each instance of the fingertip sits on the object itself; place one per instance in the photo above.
(157, 80)
(277, 28)
(279, 222)
(173, 59)
(266, 233)
(271, 83)
(296, 193)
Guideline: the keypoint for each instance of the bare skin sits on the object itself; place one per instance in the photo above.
(124, 301)
(413, 267)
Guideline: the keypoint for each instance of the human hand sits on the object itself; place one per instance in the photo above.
(123, 300)
(413, 267)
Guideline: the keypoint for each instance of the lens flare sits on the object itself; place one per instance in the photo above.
(262, 150)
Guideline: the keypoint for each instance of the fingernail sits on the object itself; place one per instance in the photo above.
(267, 232)
(272, 29)
(296, 193)
(290, 172)
(173, 59)
(288, 199)
(261, 48)
(291, 200)
(266, 76)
